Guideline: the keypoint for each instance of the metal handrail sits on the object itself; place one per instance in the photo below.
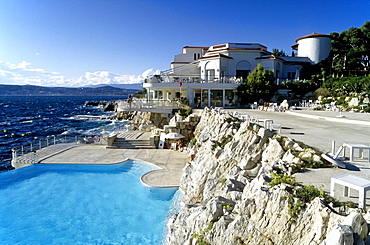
(33, 146)
(147, 105)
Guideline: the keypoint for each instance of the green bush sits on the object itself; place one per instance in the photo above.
(282, 179)
(324, 92)
(185, 111)
(345, 86)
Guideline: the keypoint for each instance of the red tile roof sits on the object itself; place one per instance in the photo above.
(312, 35)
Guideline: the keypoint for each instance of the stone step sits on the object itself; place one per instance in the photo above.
(122, 143)
(118, 140)
(131, 147)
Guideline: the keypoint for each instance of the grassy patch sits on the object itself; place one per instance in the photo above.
(302, 194)
(222, 143)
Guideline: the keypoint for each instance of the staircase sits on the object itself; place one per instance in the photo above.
(132, 140)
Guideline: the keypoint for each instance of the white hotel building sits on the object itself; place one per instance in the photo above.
(209, 76)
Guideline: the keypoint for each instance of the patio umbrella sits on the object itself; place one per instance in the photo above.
(174, 136)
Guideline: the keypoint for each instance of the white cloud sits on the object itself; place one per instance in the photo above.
(23, 73)
(106, 77)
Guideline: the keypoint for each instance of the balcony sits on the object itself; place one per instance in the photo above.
(158, 106)
(194, 79)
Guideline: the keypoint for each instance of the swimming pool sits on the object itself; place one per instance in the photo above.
(82, 204)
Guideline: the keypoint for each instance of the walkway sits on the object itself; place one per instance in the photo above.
(170, 162)
(318, 129)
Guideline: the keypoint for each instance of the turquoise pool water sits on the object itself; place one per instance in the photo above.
(82, 204)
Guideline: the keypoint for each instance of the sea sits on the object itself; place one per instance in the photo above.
(24, 119)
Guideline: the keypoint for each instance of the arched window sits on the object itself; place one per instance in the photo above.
(195, 56)
(243, 68)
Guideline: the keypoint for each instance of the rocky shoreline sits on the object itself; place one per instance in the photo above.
(228, 197)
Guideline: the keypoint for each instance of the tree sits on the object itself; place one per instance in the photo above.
(278, 52)
(140, 94)
(350, 50)
(260, 84)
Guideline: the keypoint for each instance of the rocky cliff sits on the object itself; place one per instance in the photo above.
(232, 193)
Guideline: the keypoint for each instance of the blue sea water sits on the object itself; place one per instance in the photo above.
(42, 116)
(72, 204)
(82, 204)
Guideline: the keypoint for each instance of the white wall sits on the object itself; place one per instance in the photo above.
(315, 48)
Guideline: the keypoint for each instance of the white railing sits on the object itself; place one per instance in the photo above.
(160, 106)
(186, 79)
(31, 154)
(233, 80)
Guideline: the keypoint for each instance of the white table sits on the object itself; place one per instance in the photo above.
(266, 123)
(353, 147)
(352, 182)
(276, 126)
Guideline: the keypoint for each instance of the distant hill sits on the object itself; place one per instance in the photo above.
(134, 86)
(31, 90)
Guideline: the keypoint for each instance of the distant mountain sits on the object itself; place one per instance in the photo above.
(31, 90)
(134, 86)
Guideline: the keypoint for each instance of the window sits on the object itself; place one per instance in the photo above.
(242, 73)
(291, 75)
(216, 98)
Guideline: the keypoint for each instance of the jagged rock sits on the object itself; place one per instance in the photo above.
(340, 235)
(358, 224)
(227, 199)
(273, 152)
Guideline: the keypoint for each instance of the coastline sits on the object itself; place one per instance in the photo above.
(309, 128)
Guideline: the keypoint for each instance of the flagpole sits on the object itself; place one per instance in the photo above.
(180, 90)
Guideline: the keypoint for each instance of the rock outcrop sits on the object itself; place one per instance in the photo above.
(227, 198)
(144, 120)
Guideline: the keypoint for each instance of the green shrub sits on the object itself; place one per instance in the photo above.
(324, 92)
(185, 111)
(221, 144)
(282, 179)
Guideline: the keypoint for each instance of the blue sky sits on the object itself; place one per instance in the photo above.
(78, 42)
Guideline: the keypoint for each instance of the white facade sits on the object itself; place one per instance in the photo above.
(314, 46)
(187, 62)
(209, 76)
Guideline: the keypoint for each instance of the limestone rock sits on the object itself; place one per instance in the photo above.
(340, 235)
(273, 152)
(358, 224)
(227, 199)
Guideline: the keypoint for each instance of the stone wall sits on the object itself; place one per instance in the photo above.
(227, 200)
(144, 120)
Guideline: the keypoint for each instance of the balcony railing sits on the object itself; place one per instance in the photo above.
(194, 79)
(33, 152)
(159, 106)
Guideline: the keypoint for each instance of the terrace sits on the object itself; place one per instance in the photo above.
(158, 106)
(173, 78)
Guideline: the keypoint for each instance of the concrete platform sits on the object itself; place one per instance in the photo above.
(318, 129)
(170, 162)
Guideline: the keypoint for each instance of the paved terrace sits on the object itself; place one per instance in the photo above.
(318, 129)
(315, 128)
(170, 162)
